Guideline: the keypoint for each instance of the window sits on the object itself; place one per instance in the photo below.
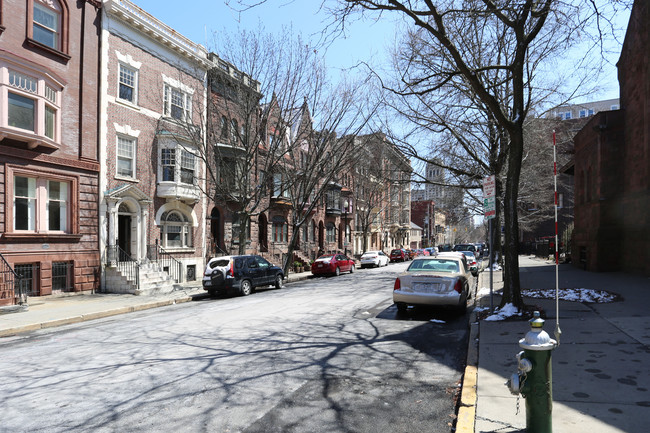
(583, 113)
(47, 24)
(125, 156)
(280, 230)
(278, 187)
(331, 232)
(29, 278)
(614, 107)
(32, 107)
(40, 205)
(233, 131)
(176, 230)
(224, 127)
(127, 84)
(175, 169)
(176, 103)
(62, 276)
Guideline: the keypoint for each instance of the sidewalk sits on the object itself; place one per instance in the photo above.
(600, 378)
(50, 311)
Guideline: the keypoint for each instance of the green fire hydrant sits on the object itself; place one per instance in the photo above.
(534, 379)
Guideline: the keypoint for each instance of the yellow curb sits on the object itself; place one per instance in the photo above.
(61, 322)
(466, 416)
(19, 329)
(468, 396)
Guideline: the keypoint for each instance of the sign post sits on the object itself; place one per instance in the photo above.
(489, 204)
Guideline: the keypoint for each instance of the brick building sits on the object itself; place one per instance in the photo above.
(154, 85)
(612, 167)
(49, 70)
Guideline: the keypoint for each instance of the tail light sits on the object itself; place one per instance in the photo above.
(231, 268)
(398, 284)
(458, 286)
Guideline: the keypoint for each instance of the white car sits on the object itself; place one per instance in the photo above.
(433, 281)
(374, 259)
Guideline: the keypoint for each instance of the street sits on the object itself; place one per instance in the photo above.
(325, 354)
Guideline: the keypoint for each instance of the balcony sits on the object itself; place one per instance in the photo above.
(178, 191)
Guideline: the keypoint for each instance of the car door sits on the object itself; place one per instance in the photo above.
(342, 263)
(254, 272)
(266, 271)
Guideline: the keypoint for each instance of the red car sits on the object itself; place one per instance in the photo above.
(332, 264)
(398, 255)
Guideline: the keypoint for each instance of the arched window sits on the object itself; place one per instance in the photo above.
(47, 25)
(176, 230)
(331, 232)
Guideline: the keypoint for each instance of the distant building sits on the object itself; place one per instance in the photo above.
(582, 110)
(612, 167)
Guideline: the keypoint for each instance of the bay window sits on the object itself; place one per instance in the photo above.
(177, 165)
(32, 112)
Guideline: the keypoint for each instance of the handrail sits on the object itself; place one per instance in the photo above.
(9, 278)
(156, 253)
(127, 265)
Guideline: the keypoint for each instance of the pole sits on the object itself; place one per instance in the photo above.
(558, 332)
(491, 267)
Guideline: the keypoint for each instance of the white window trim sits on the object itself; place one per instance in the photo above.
(136, 79)
(134, 140)
(172, 144)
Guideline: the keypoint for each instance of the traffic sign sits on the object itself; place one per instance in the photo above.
(489, 206)
(489, 186)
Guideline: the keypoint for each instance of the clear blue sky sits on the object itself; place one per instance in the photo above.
(365, 40)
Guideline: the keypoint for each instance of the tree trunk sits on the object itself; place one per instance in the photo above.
(511, 284)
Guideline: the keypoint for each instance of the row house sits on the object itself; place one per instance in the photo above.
(152, 210)
(49, 156)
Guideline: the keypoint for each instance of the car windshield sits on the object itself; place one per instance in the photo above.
(433, 265)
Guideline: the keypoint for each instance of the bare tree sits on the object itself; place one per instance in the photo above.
(476, 65)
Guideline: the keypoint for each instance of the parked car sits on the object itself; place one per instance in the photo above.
(459, 255)
(374, 259)
(240, 274)
(332, 264)
(433, 281)
(398, 255)
(432, 250)
(411, 254)
(471, 262)
(464, 247)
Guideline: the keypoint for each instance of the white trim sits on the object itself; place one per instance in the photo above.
(126, 130)
(177, 84)
(127, 59)
(176, 205)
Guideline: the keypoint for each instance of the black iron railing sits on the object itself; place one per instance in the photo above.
(125, 264)
(9, 280)
(166, 262)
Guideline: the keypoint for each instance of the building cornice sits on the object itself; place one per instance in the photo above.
(146, 23)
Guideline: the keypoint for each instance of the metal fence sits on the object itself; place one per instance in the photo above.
(10, 281)
(166, 262)
(125, 264)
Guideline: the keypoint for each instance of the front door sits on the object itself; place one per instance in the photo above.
(124, 235)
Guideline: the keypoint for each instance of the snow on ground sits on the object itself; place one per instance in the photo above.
(437, 321)
(508, 310)
(573, 294)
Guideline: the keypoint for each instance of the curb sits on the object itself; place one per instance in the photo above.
(92, 316)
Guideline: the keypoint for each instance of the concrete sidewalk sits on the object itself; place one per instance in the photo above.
(50, 311)
(600, 378)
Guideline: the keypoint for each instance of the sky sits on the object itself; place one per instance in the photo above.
(366, 40)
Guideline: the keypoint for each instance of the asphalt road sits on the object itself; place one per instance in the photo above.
(321, 355)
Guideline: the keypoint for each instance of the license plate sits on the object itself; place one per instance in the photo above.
(426, 287)
(320, 265)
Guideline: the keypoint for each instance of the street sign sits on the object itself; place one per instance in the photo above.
(489, 187)
(489, 206)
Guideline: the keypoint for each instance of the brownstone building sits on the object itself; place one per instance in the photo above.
(612, 167)
(49, 72)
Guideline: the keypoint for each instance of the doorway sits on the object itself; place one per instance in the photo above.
(124, 236)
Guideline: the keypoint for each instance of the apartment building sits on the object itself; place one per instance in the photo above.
(152, 212)
(49, 167)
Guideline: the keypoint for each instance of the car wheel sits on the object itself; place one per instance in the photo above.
(246, 288)
(352, 269)
(401, 307)
(337, 271)
(279, 282)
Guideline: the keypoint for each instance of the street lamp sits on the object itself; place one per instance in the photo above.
(345, 226)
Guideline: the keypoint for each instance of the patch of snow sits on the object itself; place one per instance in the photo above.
(437, 321)
(508, 310)
(496, 267)
(572, 294)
